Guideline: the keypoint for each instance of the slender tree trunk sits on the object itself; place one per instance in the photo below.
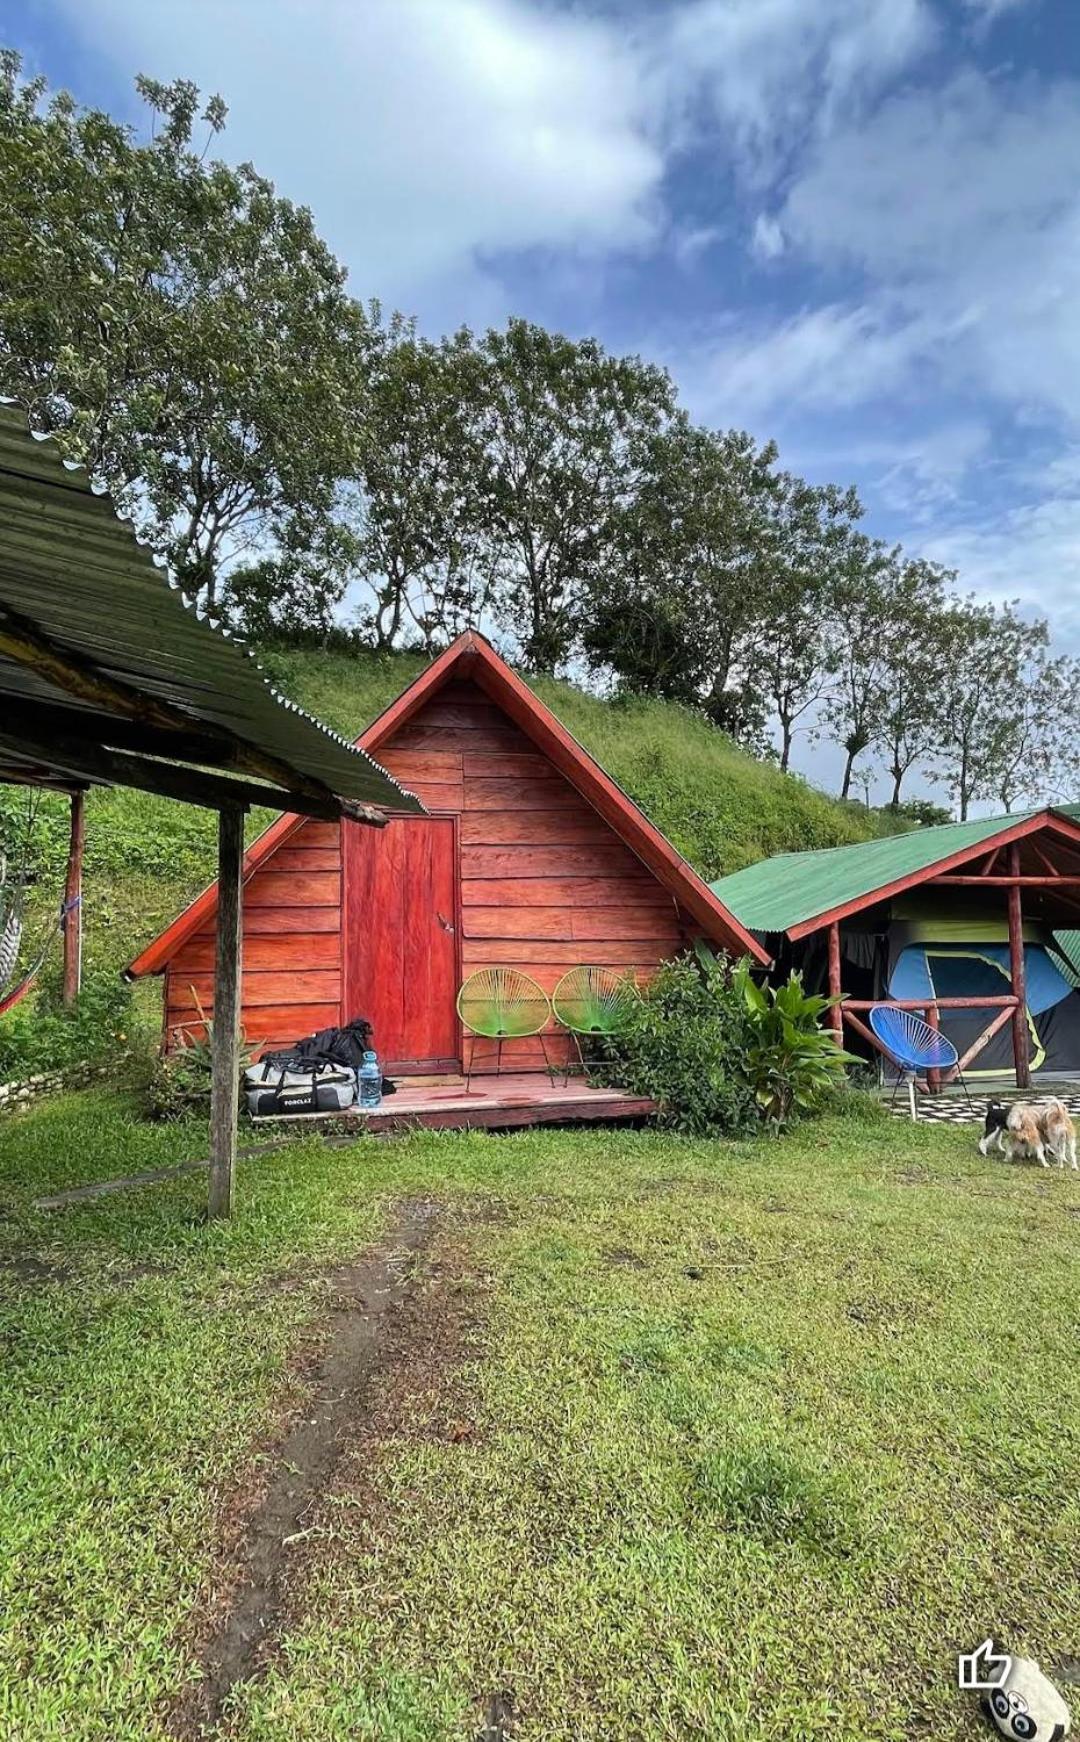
(785, 751)
(845, 784)
(898, 780)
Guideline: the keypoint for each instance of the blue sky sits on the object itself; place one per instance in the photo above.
(851, 225)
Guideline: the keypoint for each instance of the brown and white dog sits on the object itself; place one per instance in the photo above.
(1038, 1128)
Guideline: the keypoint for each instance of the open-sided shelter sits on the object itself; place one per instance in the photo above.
(968, 923)
(109, 677)
(530, 856)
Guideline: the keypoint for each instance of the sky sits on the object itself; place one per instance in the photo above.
(852, 226)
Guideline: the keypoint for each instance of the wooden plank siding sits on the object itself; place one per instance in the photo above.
(546, 884)
(543, 882)
(291, 963)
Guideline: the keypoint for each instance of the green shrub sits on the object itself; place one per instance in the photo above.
(42, 1034)
(179, 1083)
(684, 1045)
(721, 1053)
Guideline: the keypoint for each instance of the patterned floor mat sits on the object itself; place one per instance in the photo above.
(954, 1110)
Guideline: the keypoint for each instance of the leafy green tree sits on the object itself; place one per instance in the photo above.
(989, 655)
(182, 329)
(675, 609)
(915, 647)
(422, 513)
(805, 543)
(1032, 754)
(563, 427)
(885, 611)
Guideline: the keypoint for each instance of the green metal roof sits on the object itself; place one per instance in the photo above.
(1068, 942)
(778, 893)
(76, 572)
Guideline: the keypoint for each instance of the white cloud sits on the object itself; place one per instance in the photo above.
(838, 355)
(957, 211)
(690, 244)
(964, 203)
(1029, 552)
(767, 238)
(425, 134)
(922, 476)
(989, 9)
(766, 69)
(429, 136)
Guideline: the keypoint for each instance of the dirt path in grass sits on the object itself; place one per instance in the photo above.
(365, 1298)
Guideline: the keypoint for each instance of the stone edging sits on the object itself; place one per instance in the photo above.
(48, 1083)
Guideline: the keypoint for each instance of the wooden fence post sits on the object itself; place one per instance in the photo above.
(933, 1077)
(226, 1041)
(73, 899)
(1021, 1054)
(835, 982)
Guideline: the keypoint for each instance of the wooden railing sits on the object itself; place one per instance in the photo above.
(931, 1009)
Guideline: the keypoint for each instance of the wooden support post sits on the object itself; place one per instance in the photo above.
(835, 986)
(73, 900)
(1021, 1057)
(226, 1040)
(933, 1077)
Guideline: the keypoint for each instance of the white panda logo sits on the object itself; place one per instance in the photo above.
(1038, 1714)
(1013, 1717)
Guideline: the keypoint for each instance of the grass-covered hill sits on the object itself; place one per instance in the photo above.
(723, 809)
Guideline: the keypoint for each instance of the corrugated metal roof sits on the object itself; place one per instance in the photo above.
(1068, 942)
(75, 571)
(778, 893)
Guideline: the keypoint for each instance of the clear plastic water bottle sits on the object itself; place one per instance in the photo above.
(369, 1078)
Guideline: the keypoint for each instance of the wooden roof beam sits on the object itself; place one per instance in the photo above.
(82, 762)
(1040, 880)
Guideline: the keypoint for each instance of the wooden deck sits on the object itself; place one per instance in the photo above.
(493, 1103)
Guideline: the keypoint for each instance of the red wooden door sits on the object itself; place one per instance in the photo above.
(400, 940)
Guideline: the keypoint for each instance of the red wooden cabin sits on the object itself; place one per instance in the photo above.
(529, 856)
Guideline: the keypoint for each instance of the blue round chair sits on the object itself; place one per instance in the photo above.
(913, 1047)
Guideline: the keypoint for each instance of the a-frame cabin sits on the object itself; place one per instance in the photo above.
(530, 856)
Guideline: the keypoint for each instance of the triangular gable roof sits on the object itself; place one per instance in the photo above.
(471, 658)
(799, 893)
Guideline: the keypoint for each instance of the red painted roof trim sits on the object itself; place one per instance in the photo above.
(1048, 819)
(472, 656)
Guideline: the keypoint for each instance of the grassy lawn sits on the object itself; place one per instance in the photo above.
(677, 1439)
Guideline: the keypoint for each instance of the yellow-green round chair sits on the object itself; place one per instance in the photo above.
(501, 1004)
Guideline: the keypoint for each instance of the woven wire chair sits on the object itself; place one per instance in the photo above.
(913, 1046)
(501, 1004)
(592, 1001)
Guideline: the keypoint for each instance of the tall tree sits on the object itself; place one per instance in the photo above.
(805, 544)
(1032, 756)
(563, 425)
(988, 655)
(917, 636)
(422, 516)
(182, 329)
(675, 608)
(884, 609)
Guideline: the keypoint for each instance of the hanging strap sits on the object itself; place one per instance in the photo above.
(18, 993)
